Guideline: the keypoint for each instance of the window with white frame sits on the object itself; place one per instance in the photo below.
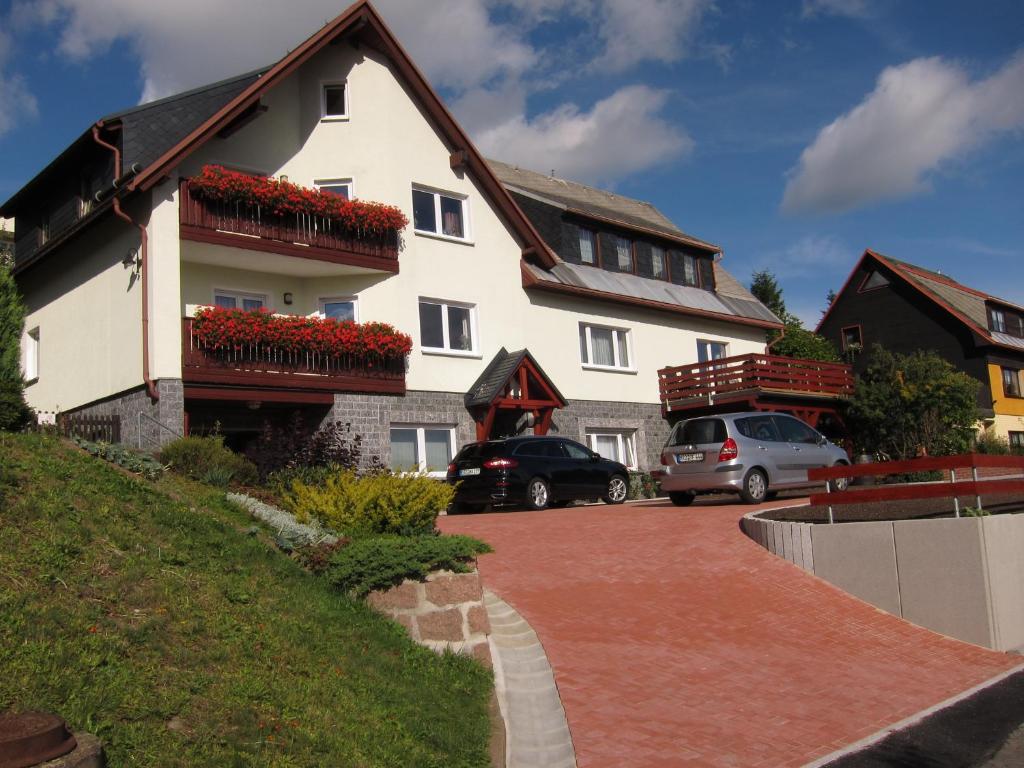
(227, 299)
(422, 448)
(614, 444)
(448, 327)
(1016, 441)
(658, 262)
(440, 213)
(340, 308)
(588, 246)
(711, 350)
(339, 187)
(32, 355)
(602, 347)
(334, 100)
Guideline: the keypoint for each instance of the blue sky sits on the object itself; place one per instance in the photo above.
(793, 133)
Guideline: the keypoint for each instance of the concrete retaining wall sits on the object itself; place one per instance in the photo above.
(445, 612)
(961, 577)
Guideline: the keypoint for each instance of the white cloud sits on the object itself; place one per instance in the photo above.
(647, 30)
(16, 99)
(622, 134)
(478, 51)
(854, 9)
(921, 115)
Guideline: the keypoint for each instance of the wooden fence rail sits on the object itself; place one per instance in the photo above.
(98, 429)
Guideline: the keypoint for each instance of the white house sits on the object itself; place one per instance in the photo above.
(532, 302)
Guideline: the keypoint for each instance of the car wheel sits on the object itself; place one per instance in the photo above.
(755, 487)
(537, 494)
(618, 490)
(839, 484)
(681, 498)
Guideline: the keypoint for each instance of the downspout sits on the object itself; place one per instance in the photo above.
(151, 389)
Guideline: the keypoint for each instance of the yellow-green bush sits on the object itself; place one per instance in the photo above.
(378, 503)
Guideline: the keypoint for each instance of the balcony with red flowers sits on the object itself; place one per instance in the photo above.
(231, 354)
(331, 234)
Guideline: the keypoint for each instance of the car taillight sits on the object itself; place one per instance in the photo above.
(729, 450)
(500, 464)
(452, 467)
(664, 460)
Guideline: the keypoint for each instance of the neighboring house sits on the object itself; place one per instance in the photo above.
(906, 308)
(115, 252)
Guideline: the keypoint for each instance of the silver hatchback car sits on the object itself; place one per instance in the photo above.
(753, 454)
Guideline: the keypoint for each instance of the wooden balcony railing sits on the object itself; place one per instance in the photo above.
(304, 236)
(699, 383)
(261, 366)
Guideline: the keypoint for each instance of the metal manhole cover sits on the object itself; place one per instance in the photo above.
(31, 738)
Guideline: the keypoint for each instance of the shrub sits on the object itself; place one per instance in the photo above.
(208, 460)
(988, 441)
(374, 504)
(292, 444)
(381, 562)
(643, 486)
(139, 463)
(14, 413)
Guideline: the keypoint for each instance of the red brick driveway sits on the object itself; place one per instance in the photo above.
(676, 640)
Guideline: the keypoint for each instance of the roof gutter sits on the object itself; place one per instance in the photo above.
(119, 181)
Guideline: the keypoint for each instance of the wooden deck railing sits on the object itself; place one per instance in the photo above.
(962, 473)
(265, 366)
(745, 373)
(305, 236)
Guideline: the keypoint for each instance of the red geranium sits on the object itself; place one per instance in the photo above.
(217, 328)
(282, 198)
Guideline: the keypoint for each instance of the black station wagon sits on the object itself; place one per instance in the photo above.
(535, 472)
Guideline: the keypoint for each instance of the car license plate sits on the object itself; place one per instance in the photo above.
(469, 472)
(688, 458)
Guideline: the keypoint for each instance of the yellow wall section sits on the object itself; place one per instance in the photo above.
(1007, 406)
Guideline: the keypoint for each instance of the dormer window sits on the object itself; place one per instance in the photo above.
(624, 254)
(334, 101)
(658, 262)
(588, 246)
(996, 320)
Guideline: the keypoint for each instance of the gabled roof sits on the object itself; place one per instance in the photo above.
(968, 305)
(496, 375)
(594, 203)
(160, 148)
(151, 129)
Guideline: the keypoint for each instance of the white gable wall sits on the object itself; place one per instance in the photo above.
(385, 146)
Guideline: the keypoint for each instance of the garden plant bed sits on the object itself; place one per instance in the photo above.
(920, 509)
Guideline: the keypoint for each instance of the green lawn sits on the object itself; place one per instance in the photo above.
(150, 615)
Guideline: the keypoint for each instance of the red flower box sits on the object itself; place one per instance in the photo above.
(217, 329)
(282, 198)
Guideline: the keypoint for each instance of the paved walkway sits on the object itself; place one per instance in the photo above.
(676, 640)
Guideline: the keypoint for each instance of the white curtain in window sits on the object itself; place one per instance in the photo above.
(624, 250)
(438, 449)
(587, 255)
(403, 450)
(460, 335)
(620, 340)
(601, 344)
(607, 446)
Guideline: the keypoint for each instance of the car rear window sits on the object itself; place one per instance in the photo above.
(699, 432)
(481, 451)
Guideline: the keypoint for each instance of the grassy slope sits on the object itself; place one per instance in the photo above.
(164, 628)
